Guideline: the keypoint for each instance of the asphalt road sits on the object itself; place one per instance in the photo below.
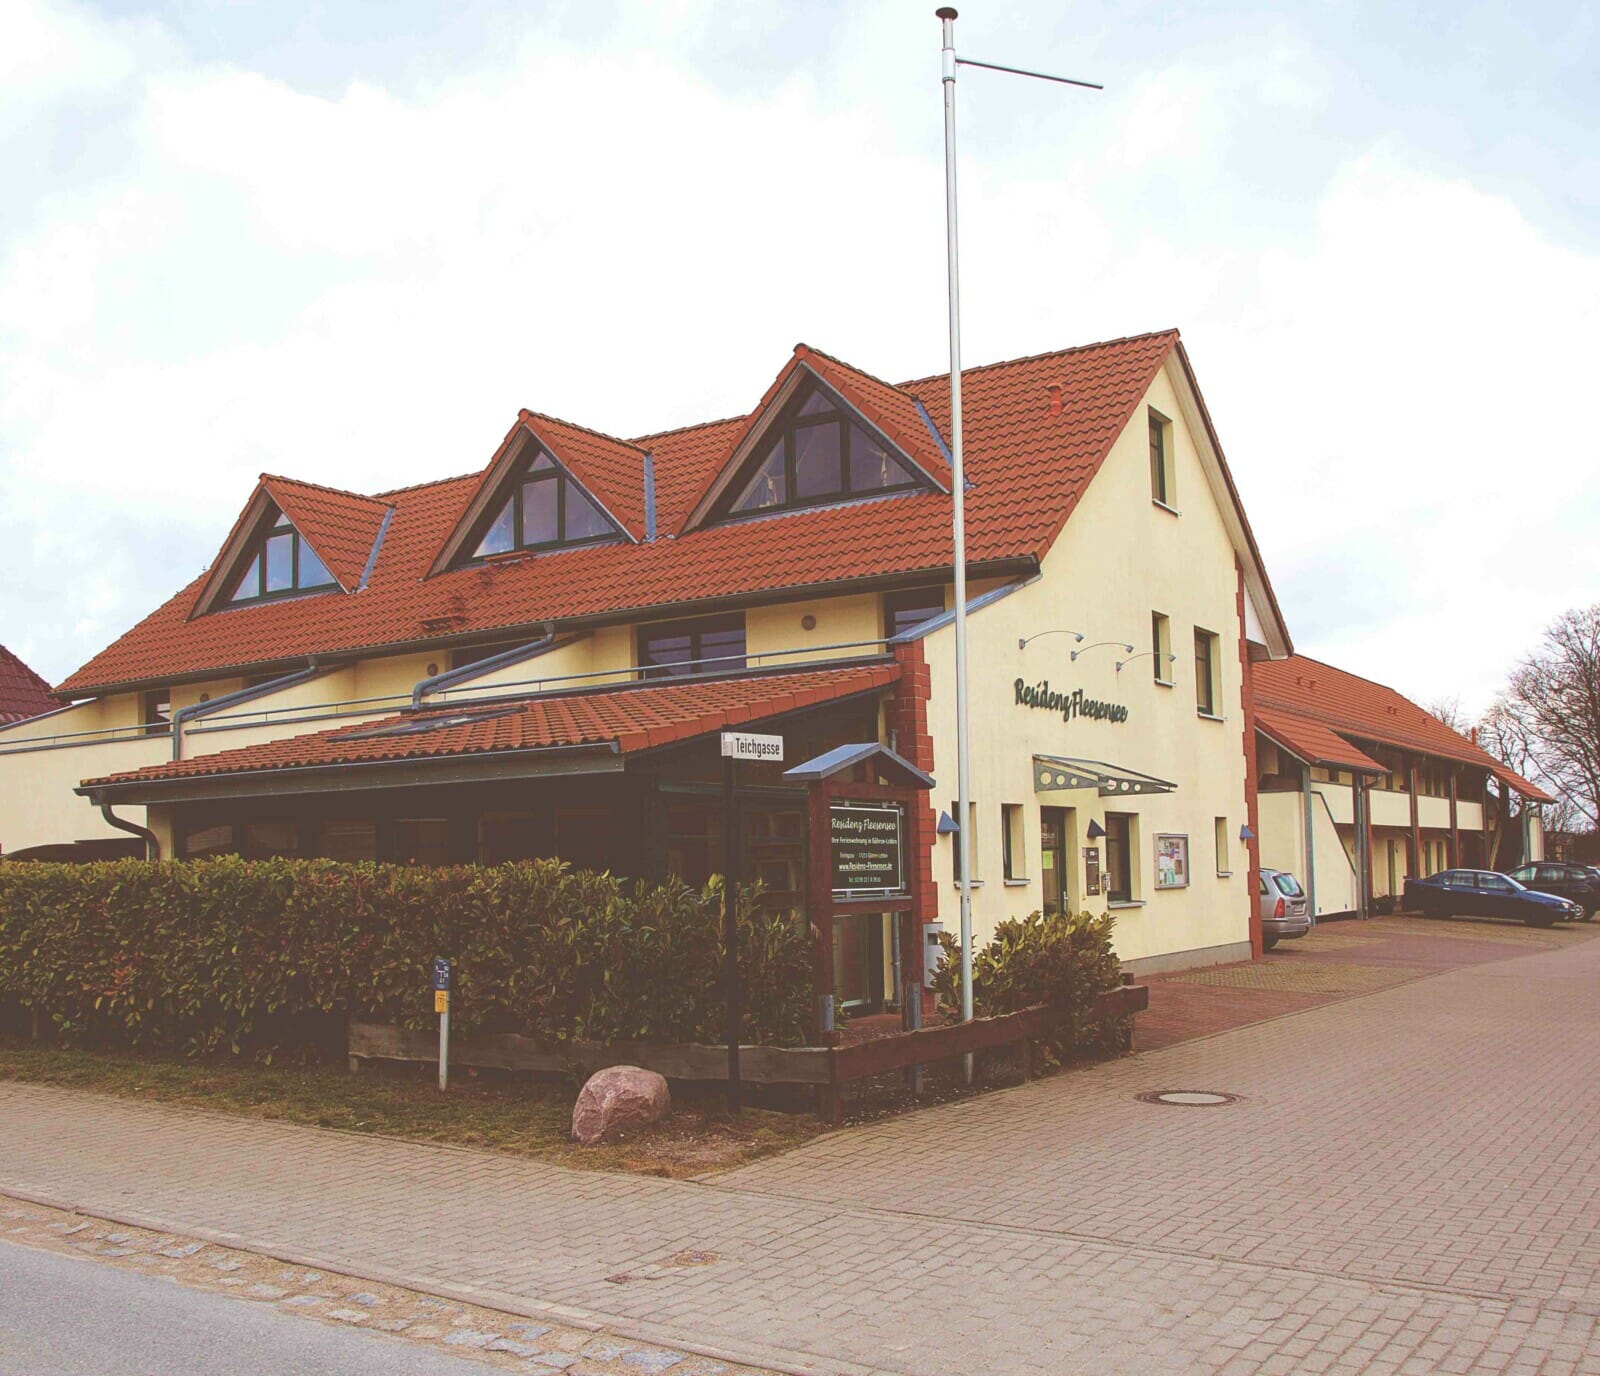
(71, 1316)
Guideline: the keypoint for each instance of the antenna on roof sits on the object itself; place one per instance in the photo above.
(948, 64)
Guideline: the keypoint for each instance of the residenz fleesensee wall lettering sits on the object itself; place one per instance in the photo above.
(1070, 705)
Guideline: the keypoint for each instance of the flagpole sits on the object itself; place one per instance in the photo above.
(947, 55)
(948, 64)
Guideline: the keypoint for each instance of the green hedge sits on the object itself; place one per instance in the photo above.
(268, 956)
(1062, 961)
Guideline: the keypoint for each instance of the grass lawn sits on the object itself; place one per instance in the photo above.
(520, 1116)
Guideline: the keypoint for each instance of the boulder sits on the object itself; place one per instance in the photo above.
(618, 1099)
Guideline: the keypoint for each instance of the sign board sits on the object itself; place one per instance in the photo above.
(866, 850)
(441, 975)
(746, 745)
(1091, 869)
(441, 1000)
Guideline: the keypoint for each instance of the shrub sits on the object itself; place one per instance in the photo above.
(273, 955)
(1061, 961)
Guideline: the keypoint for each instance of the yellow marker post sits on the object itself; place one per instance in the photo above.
(441, 1006)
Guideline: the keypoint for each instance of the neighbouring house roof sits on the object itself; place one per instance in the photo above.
(1298, 694)
(637, 716)
(23, 693)
(1028, 463)
(1314, 742)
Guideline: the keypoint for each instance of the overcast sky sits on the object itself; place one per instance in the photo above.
(346, 241)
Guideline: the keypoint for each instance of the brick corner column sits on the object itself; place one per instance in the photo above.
(906, 715)
(1247, 705)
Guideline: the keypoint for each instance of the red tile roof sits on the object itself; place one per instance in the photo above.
(611, 469)
(635, 717)
(341, 527)
(23, 693)
(1027, 467)
(1307, 691)
(1313, 742)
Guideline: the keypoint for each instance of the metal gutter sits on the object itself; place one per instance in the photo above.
(259, 690)
(152, 847)
(514, 655)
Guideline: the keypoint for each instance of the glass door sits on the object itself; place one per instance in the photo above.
(1053, 858)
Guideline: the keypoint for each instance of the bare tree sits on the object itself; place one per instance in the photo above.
(1448, 710)
(1553, 703)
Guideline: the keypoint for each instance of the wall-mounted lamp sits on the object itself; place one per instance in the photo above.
(1245, 834)
(1126, 648)
(1171, 659)
(1096, 831)
(947, 825)
(1023, 643)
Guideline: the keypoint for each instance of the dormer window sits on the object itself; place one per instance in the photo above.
(545, 508)
(282, 564)
(817, 454)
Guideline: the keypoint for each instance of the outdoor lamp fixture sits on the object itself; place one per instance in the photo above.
(1171, 659)
(1096, 831)
(1245, 834)
(1126, 648)
(947, 825)
(1023, 643)
(948, 62)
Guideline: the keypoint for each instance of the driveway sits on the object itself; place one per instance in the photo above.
(1406, 1181)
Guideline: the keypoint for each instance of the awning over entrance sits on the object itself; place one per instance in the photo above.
(578, 732)
(1052, 773)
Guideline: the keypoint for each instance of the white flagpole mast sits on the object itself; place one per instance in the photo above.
(948, 64)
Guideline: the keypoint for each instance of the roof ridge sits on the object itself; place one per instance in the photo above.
(967, 371)
(431, 482)
(525, 413)
(1376, 683)
(854, 368)
(321, 487)
(684, 429)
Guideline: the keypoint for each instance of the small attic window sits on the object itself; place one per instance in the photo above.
(281, 563)
(817, 454)
(544, 509)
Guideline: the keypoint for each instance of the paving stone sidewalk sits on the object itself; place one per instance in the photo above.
(1407, 1184)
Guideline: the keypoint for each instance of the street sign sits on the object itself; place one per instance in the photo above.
(441, 1006)
(746, 745)
(866, 854)
(441, 1000)
(441, 975)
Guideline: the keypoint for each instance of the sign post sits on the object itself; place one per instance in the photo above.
(736, 746)
(441, 1006)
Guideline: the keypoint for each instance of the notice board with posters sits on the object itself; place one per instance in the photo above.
(1172, 862)
(866, 849)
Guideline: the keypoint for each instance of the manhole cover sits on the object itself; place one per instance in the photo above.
(1189, 1098)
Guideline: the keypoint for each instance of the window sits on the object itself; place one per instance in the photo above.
(1161, 644)
(476, 654)
(422, 841)
(711, 644)
(1162, 488)
(216, 840)
(268, 840)
(817, 454)
(1119, 857)
(1012, 843)
(972, 842)
(903, 610)
(694, 842)
(1287, 885)
(1224, 866)
(1496, 883)
(349, 839)
(155, 711)
(546, 508)
(1205, 672)
(281, 564)
(504, 837)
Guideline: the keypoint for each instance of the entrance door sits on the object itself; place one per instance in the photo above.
(1053, 859)
(858, 963)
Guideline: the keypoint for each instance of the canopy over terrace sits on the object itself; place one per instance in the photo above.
(620, 777)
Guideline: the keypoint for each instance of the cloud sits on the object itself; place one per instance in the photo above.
(361, 285)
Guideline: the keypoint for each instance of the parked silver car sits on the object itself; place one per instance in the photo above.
(1282, 905)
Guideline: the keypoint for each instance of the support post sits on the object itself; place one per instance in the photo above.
(444, 1049)
(730, 922)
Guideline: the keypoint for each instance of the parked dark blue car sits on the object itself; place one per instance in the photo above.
(1483, 893)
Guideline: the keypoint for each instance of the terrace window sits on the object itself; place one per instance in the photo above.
(709, 645)
(903, 610)
(1163, 488)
